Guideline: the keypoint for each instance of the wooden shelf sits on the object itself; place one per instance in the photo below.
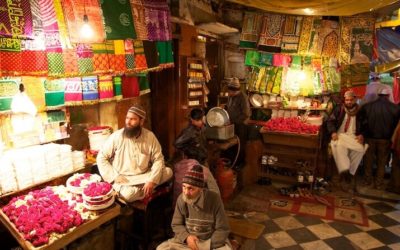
(87, 166)
(283, 178)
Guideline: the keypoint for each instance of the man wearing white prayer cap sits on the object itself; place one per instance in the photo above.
(375, 87)
(347, 142)
(131, 158)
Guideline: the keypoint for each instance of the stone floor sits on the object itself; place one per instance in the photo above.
(290, 231)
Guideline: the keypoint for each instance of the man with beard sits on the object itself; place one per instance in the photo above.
(347, 142)
(199, 220)
(131, 159)
(379, 120)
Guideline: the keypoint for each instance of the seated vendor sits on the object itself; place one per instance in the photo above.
(131, 159)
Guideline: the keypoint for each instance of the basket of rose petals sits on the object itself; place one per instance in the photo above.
(98, 195)
(78, 182)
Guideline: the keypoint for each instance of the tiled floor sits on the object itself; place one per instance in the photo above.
(290, 231)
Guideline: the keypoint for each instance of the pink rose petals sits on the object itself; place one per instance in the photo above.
(41, 213)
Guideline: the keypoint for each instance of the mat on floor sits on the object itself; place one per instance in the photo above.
(245, 203)
(327, 207)
(245, 228)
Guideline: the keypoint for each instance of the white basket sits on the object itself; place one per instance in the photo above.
(98, 137)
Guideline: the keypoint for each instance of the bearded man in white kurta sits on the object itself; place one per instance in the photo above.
(131, 159)
(347, 142)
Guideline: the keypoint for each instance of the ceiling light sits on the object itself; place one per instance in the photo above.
(308, 11)
(86, 30)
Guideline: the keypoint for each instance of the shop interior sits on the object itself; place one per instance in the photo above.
(71, 70)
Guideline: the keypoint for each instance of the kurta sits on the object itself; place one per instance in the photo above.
(139, 159)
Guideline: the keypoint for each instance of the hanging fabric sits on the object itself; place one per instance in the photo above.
(140, 58)
(139, 19)
(157, 20)
(101, 62)
(150, 52)
(144, 84)
(129, 54)
(291, 34)
(250, 30)
(33, 51)
(16, 19)
(265, 59)
(165, 54)
(271, 33)
(252, 58)
(118, 64)
(118, 20)
(62, 26)
(74, 10)
(85, 58)
(52, 38)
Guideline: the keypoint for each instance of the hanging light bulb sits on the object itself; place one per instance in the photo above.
(86, 30)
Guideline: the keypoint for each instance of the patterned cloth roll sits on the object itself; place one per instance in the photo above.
(70, 60)
(130, 86)
(106, 90)
(140, 58)
(129, 54)
(10, 87)
(90, 89)
(73, 91)
(117, 84)
(54, 93)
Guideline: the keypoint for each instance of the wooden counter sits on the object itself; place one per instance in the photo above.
(64, 239)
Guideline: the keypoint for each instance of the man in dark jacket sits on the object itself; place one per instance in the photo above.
(238, 108)
(192, 141)
(379, 120)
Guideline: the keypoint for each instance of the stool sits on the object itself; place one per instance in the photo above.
(148, 213)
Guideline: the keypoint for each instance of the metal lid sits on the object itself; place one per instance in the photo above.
(217, 117)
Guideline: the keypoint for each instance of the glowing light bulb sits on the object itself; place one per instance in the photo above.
(309, 11)
(86, 30)
(302, 75)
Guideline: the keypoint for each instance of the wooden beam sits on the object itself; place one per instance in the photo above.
(387, 67)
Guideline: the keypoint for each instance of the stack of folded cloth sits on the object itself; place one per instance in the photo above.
(52, 159)
(36, 155)
(78, 159)
(8, 182)
(65, 163)
(22, 167)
